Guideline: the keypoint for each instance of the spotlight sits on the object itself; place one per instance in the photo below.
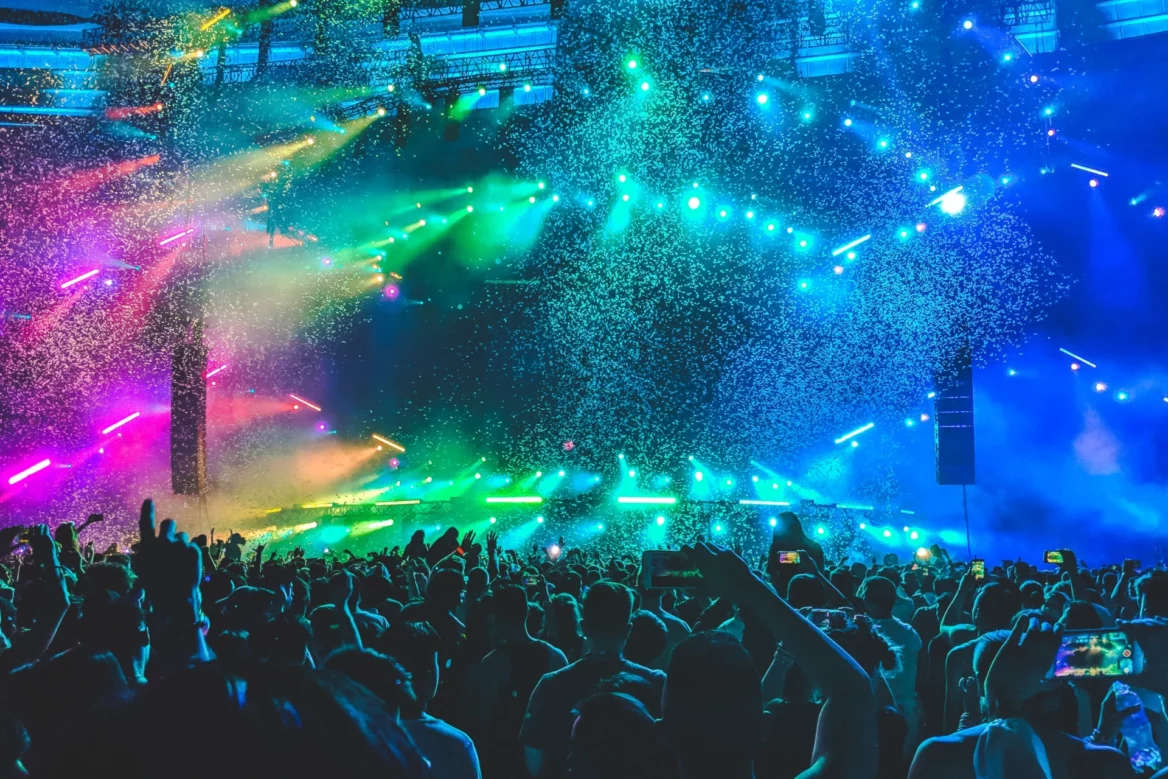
(527, 87)
(821, 530)
(1033, 79)
(539, 520)
(888, 534)
(773, 522)
(1100, 386)
(1121, 396)
(698, 476)
(632, 64)
(482, 91)
(914, 535)
(492, 520)
(762, 98)
(1158, 212)
(660, 521)
(1093, 183)
(1007, 57)
(953, 203)
(847, 123)
(863, 526)
(503, 66)
(967, 24)
(644, 86)
(695, 203)
(381, 111)
(924, 417)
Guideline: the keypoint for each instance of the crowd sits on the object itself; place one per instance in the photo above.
(458, 659)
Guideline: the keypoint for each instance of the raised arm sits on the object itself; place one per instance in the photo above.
(845, 739)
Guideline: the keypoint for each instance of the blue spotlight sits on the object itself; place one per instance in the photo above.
(967, 24)
(763, 98)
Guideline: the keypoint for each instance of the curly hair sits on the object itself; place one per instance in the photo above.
(861, 638)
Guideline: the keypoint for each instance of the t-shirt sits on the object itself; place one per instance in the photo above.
(902, 680)
(548, 723)
(450, 751)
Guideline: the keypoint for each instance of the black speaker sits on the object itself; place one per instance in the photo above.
(188, 420)
(470, 13)
(953, 423)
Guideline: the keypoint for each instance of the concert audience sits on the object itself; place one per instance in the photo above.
(425, 661)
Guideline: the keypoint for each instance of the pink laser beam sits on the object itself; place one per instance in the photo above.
(212, 373)
(175, 237)
(45, 463)
(121, 422)
(82, 277)
(312, 406)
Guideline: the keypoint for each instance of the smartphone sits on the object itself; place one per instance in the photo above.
(665, 570)
(530, 581)
(1053, 557)
(978, 568)
(1097, 653)
(789, 558)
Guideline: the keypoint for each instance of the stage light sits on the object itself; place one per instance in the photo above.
(527, 87)
(852, 434)
(750, 215)
(762, 98)
(600, 526)
(1100, 386)
(909, 423)
(915, 4)
(390, 87)
(660, 521)
(1007, 57)
(908, 155)
(807, 116)
(1158, 212)
(1093, 183)
(850, 245)
(821, 530)
(921, 227)
(882, 143)
(863, 526)
(381, 111)
(850, 255)
(967, 24)
(632, 64)
(532, 198)
(1074, 366)
(759, 77)
(492, 520)
(847, 123)
(763, 502)
(722, 213)
(698, 476)
(1050, 133)
(953, 203)
(1033, 79)
(1011, 372)
(555, 198)
(647, 500)
(914, 535)
(773, 522)
(903, 234)
(37, 468)
(82, 277)
(717, 528)
(888, 534)
(771, 227)
(539, 520)
(312, 406)
(517, 499)
(803, 245)
(855, 444)
(706, 97)
(694, 203)
(482, 91)
(632, 474)
(923, 175)
(1048, 111)
(562, 474)
(644, 86)
(924, 417)
(539, 474)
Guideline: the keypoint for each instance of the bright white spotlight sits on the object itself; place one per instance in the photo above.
(953, 203)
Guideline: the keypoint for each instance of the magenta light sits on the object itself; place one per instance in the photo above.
(30, 471)
(391, 291)
(82, 277)
(212, 373)
(176, 236)
(121, 422)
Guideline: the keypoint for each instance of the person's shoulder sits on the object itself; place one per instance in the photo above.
(948, 756)
(652, 674)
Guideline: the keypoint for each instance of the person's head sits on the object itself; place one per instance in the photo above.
(712, 708)
(789, 524)
(646, 638)
(570, 583)
(608, 608)
(381, 675)
(105, 577)
(844, 582)
(283, 640)
(1081, 615)
(805, 590)
(1032, 594)
(510, 608)
(415, 645)
(117, 625)
(995, 606)
(477, 580)
(859, 637)
(879, 596)
(615, 737)
(418, 537)
(1153, 593)
(445, 589)
(282, 722)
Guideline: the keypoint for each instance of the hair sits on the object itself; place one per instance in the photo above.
(712, 704)
(445, 586)
(282, 640)
(104, 576)
(861, 639)
(1081, 615)
(113, 624)
(805, 590)
(413, 644)
(985, 650)
(881, 591)
(647, 638)
(615, 737)
(608, 607)
(510, 605)
(381, 675)
(996, 605)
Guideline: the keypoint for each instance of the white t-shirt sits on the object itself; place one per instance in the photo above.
(450, 751)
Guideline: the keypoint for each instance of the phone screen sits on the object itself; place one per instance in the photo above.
(664, 570)
(1097, 653)
(1053, 557)
(789, 558)
(978, 568)
(530, 581)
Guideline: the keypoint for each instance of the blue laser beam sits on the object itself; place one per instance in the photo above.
(852, 245)
(855, 432)
(1077, 357)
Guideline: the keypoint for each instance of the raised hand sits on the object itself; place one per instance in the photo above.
(1019, 670)
(169, 567)
(492, 542)
(971, 697)
(723, 571)
(8, 535)
(467, 541)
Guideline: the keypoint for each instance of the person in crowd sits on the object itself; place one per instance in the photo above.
(502, 686)
(547, 725)
(879, 597)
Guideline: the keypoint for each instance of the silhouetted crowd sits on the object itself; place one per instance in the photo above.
(458, 659)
